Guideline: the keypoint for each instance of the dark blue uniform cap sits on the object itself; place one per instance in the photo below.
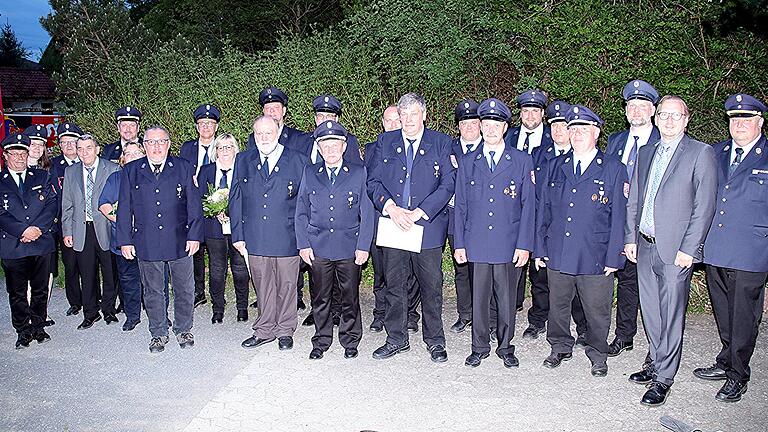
(272, 94)
(327, 103)
(68, 129)
(743, 105)
(207, 111)
(38, 132)
(581, 115)
(532, 98)
(330, 129)
(466, 110)
(17, 141)
(128, 113)
(494, 109)
(556, 111)
(639, 89)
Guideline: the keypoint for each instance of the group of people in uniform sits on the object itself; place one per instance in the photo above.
(538, 202)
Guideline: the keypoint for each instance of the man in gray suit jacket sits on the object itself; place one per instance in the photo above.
(678, 178)
(87, 230)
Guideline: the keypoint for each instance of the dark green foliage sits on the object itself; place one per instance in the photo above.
(12, 52)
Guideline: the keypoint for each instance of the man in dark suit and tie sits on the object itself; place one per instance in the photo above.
(160, 223)
(87, 230)
(735, 250)
(67, 134)
(411, 182)
(640, 98)
(671, 204)
(198, 152)
(27, 222)
(128, 119)
(274, 104)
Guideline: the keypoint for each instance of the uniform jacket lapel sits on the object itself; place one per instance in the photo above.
(755, 155)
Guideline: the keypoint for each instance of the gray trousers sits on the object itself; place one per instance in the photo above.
(664, 291)
(596, 294)
(183, 284)
(275, 282)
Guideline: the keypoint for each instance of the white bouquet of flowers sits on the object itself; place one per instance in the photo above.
(215, 202)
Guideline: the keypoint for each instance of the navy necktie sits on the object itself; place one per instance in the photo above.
(223, 182)
(265, 168)
(333, 174)
(527, 143)
(21, 182)
(156, 169)
(492, 161)
(578, 169)
(632, 159)
(736, 160)
(406, 202)
(469, 148)
(206, 160)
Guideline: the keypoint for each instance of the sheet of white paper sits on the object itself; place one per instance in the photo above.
(391, 236)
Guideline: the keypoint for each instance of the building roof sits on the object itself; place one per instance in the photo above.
(24, 84)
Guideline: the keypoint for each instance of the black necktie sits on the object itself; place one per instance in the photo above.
(265, 168)
(469, 148)
(492, 161)
(333, 174)
(21, 182)
(223, 182)
(578, 169)
(632, 158)
(736, 161)
(156, 169)
(560, 152)
(406, 201)
(527, 143)
(206, 160)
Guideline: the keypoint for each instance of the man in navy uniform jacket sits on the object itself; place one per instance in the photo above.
(411, 182)
(334, 229)
(27, 222)
(495, 200)
(274, 103)
(262, 207)
(640, 98)
(128, 119)
(735, 250)
(160, 223)
(579, 238)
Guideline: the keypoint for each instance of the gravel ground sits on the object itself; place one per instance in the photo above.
(105, 379)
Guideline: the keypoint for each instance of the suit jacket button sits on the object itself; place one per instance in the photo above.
(160, 227)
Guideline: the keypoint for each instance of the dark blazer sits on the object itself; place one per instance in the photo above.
(36, 207)
(159, 215)
(113, 151)
(334, 220)
(262, 209)
(617, 140)
(457, 155)
(432, 180)
(495, 211)
(685, 201)
(580, 220)
(351, 154)
(738, 238)
(206, 177)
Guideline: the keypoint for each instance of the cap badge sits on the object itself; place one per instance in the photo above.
(636, 84)
(326, 99)
(576, 110)
(208, 107)
(492, 104)
(738, 98)
(269, 91)
(66, 126)
(466, 104)
(557, 107)
(18, 137)
(329, 125)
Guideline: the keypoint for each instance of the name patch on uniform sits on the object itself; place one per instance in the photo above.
(37, 187)
(759, 171)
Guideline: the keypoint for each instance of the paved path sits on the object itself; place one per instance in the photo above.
(104, 379)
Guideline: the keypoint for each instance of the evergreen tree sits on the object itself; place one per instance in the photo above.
(11, 50)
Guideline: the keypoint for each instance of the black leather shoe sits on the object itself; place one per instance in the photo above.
(377, 325)
(300, 304)
(618, 345)
(460, 325)
(253, 342)
(581, 341)
(599, 370)
(130, 325)
(336, 318)
(242, 315)
(712, 373)
(316, 354)
(350, 353)
(510, 361)
(309, 320)
(647, 363)
(217, 318)
(110, 318)
(533, 332)
(285, 343)
(73, 310)
(23, 340)
(49, 322)
(438, 354)
(656, 394)
(731, 391)
(555, 359)
(474, 359)
(87, 323)
(200, 300)
(643, 377)
(255, 304)
(388, 350)
(41, 336)
(413, 327)
(119, 308)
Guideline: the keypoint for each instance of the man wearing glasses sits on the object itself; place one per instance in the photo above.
(670, 208)
(199, 152)
(128, 119)
(160, 223)
(27, 218)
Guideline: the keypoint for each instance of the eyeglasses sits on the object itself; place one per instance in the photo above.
(156, 143)
(208, 124)
(663, 115)
(133, 154)
(17, 154)
(68, 142)
(225, 147)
